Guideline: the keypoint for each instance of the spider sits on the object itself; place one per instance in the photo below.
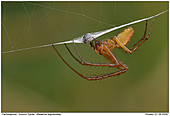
(105, 48)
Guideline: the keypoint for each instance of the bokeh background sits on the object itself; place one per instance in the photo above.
(37, 80)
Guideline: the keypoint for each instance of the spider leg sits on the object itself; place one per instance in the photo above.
(105, 51)
(141, 38)
(73, 55)
(87, 63)
(95, 77)
(66, 62)
(140, 42)
(99, 77)
(110, 56)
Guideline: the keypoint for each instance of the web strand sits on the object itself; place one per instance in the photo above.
(94, 34)
(75, 13)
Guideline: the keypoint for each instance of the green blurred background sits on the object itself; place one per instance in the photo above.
(37, 80)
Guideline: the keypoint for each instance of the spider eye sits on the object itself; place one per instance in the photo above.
(87, 37)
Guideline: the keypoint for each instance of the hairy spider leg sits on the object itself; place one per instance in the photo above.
(106, 53)
(141, 38)
(87, 63)
(128, 50)
(99, 77)
(109, 57)
(103, 49)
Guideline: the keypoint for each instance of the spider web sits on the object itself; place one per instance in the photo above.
(62, 17)
(29, 11)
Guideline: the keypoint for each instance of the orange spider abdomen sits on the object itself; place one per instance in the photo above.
(125, 35)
